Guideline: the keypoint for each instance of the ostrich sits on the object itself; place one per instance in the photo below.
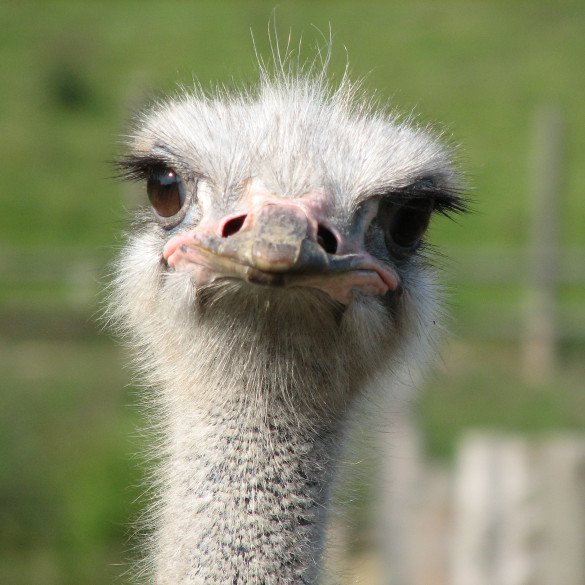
(280, 270)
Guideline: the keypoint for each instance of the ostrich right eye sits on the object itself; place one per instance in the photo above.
(405, 224)
(166, 192)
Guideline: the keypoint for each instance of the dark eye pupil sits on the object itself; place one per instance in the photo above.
(405, 225)
(410, 223)
(165, 192)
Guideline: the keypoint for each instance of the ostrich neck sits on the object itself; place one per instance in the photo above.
(246, 489)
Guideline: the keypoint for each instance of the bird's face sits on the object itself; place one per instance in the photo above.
(287, 196)
(275, 241)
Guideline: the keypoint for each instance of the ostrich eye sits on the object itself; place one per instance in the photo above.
(166, 192)
(405, 224)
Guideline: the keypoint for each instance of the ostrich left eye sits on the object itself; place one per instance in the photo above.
(166, 192)
(405, 224)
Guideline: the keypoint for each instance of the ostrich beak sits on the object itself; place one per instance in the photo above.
(277, 246)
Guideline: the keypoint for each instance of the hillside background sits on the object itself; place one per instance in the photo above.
(71, 74)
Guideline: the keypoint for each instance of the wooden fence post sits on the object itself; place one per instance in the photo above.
(519, 511)
(414, 508)
(400, 481)
(494, 523)
(543, 272)
(563, 480)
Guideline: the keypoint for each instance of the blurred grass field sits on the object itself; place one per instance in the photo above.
(72, 73)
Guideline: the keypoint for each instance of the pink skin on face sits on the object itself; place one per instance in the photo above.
(193, 250)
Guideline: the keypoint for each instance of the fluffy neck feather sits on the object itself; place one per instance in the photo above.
(251, 443)
(245, 497)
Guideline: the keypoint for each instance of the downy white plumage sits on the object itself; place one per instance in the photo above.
(281, 269)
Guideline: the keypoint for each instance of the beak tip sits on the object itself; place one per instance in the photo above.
(275, 257)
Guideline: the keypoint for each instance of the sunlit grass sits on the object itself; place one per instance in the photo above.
(71, 75)
(69, 484)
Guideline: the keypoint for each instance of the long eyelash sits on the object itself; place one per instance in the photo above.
(447, 202)
(138, 168)
(450, 203)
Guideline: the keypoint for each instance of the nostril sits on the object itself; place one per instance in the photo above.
(233, 226)
(326, 239)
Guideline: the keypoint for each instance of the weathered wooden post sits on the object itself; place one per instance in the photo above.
(541, 331)
(563, 481)
(495, 520)
(414, 513)
(519, 511)
(401, 476)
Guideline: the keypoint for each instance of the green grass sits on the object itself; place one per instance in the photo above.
(72, 73)
(69, 481)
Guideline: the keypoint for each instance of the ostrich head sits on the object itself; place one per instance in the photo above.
(280, 268)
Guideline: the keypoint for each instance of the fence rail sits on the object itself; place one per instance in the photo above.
(74, 278)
